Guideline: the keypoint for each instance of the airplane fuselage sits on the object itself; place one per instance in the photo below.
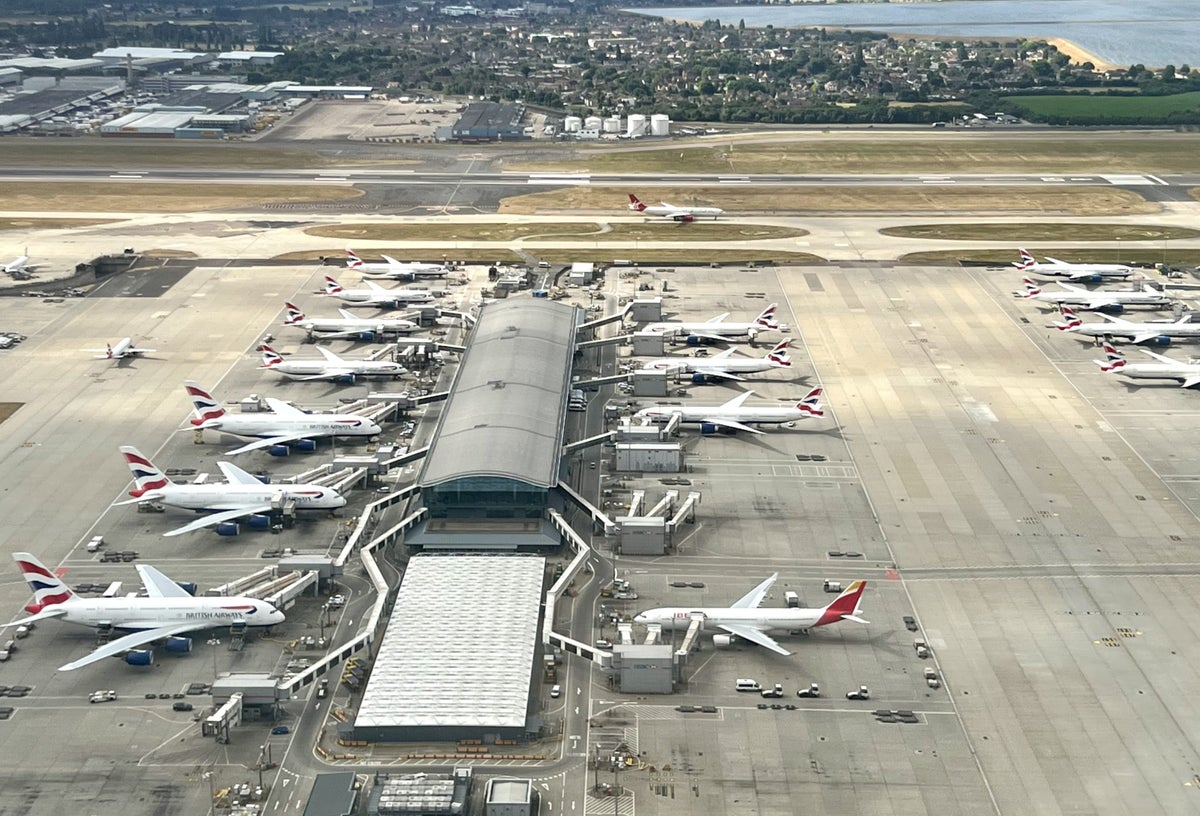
(360, 368)
(346, 324)
(721, 329)
(1158, 371)
(698, 365)
(1185, 331)
(1099, 270)
(269, 425)
(224, 496)
(702, 413)
(694, 212)
(404, 272)
(154, 613)
(369, 297)
(765, 620)
(1086, 299)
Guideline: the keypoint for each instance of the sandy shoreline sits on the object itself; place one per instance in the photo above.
(1080, 56)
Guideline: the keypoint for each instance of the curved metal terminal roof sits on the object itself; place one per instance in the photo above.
(505, 413)
(459, 646)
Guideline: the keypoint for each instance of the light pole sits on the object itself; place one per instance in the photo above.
(214, 642)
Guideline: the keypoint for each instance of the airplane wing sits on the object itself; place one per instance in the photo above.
(330, 356)
(754, 598)
(1069, 287)
(158, 585)
(281, 408)
(1162, 358)
(46, 614)
(375, 287)
(132, 641)
(1142, 337)
(1080, 275)
(718, 318)
(737, 401)
(349, 315)
(235, 475)
(1190, 381)
(731, 424)
(328, 375)
(1098, 304)
(754, 636)
(217, 518)
(259, 444)
(1054, 262)
(140, 351)
(716, 372)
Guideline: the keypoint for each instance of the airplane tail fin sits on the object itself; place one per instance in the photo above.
(205, 407)
(766, 318)
(844, 606)
(1113, 359)
(146, 477)
(1027, 262)
(1070, 319)
(810, 406)
(1031, 288)
(270, 357)
(332, 287)
(635, 204)
(294, 315)
(352, 260)
(48, 588)
(108, 353)
(779, 354)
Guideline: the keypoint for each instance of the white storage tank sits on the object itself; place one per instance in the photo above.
(612, 124)
(572, 124)
(660, 125)
(592, 123)
(637, 126)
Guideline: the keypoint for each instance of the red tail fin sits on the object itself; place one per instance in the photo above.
(844, 605)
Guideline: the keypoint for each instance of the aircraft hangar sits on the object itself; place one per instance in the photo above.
(496, 453)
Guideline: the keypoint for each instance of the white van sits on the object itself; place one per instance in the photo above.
(743, 684)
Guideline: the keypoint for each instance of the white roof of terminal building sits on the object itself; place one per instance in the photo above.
(245, 55)
(505, 414)
(139, 52)
(459, 647)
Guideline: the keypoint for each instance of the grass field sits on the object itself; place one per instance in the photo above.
(582, 230)
(1005, 256)
(1040, 232)
(838, 199)
(952, 152)
(176, 198)
(138, 154)
(7, 409)
(1084, 106)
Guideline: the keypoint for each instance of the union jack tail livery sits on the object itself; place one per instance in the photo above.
(635, 205)
(1113, 359)
(332, 287)
(811, 404)
(205, 406)
(844, 606)
(1031, 288)
(779, 354)
(1071, 319)
(766, 318)
(352, 260)
(146, 477)
(1027, 262)
(271, 357)
(294, 315)
(48, 588)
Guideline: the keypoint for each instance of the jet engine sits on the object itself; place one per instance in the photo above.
(140, 657)
(723, 641)
(179, 645)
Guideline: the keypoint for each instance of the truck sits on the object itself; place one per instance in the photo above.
(832, 586)
(102, 696)
(775, 692)
(791, 599)
(813, 690)
(95, 544)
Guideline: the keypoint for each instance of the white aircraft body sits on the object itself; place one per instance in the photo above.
(717, 328)
(1113, 299)
(723, 365)
(734, 415)
(376, 295)
(1161, 333)
(391, 268)
(673, 213)
(1187, 374)
(18, 264)
(332, 367)
(348, 325)
(748, 621)
(241, 495)
(120, 350)
(284, 423)
(1094, 272)
(166, 613)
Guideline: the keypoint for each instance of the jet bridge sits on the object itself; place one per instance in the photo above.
(615, 317)
(598, 515)
(615, 340)
(591, 441)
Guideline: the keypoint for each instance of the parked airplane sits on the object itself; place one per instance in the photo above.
(376, 295)
(734, 416)
(1187, 374)
(284, 423)
(348, 326)
(241, 495)
(391, 268)
(1114, 300)
(168, 612)
(120, 350)
(673, 213)
(18, 264)
(723, 366)
(1159, 332)
(746, 620)
(332, 367)
(717, 328)
(1094, 272)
